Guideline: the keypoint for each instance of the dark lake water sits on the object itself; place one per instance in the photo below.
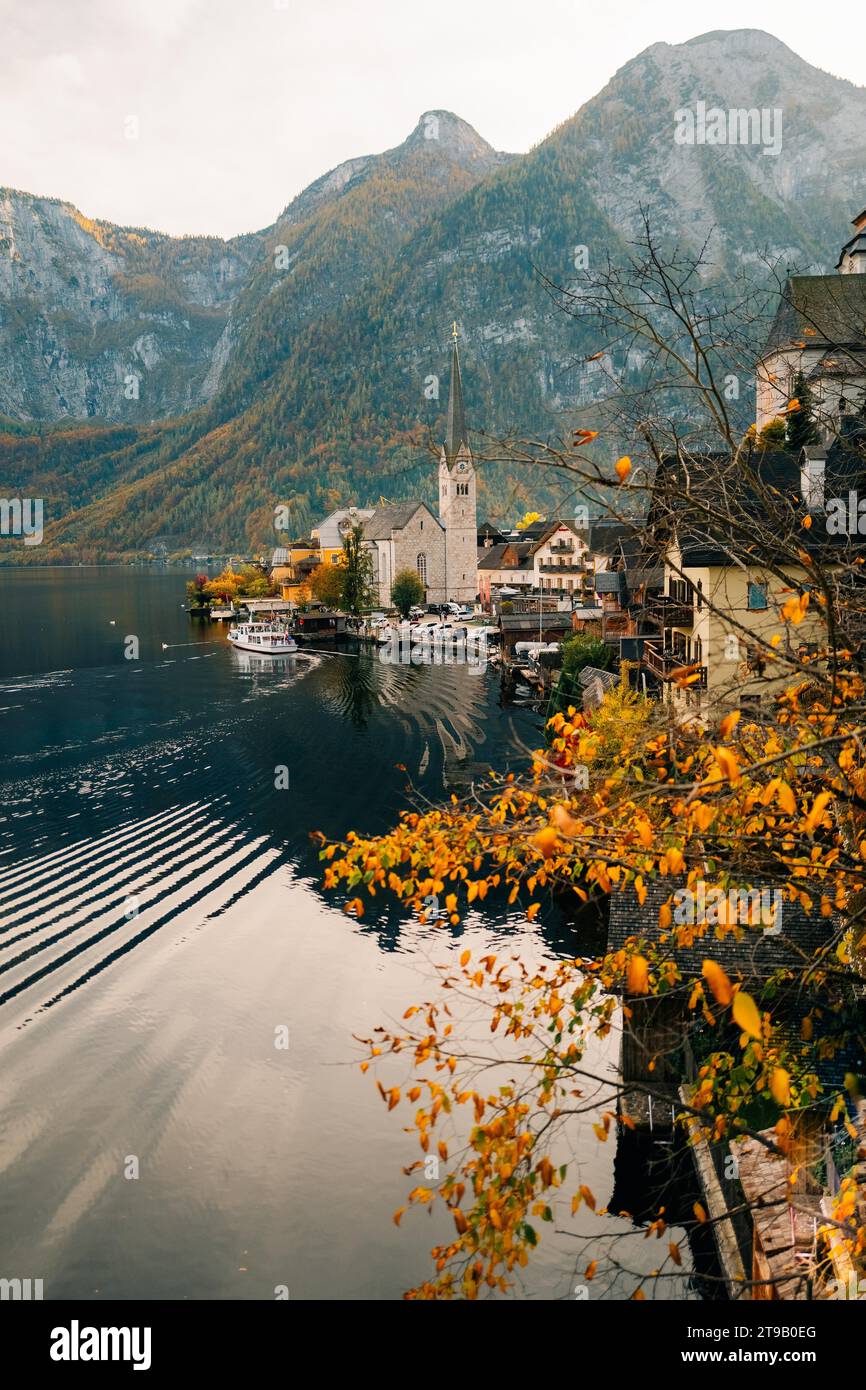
(161, 915)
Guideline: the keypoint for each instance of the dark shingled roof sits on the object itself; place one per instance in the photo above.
(394, 517)
(753, 953)
(834, 306)
(528, 622)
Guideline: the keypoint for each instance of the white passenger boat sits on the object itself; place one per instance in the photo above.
(268, 639)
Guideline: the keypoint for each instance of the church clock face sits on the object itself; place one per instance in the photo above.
(461, 467)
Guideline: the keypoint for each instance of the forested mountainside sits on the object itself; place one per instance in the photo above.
(340, 318)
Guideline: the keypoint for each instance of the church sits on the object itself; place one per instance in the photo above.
(406, 535)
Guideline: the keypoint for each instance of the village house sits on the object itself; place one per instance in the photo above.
(708, 633)
(505, 569)
(562, 561)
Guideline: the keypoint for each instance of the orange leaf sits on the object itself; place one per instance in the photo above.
(623, 468)
(637, 975)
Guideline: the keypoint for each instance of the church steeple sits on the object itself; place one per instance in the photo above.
(456, 432)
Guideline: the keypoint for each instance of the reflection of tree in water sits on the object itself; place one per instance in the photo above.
(356, 689)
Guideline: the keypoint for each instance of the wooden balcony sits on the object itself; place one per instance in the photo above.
(668, 612)
(662, 662)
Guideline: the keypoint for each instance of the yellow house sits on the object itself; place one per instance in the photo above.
(715, 622)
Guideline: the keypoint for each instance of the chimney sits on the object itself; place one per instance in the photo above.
(813, 464)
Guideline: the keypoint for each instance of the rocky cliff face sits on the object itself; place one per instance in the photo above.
(108, 322)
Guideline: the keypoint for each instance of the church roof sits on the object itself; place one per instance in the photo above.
(392, 517)
(818, 310)
(456, 433)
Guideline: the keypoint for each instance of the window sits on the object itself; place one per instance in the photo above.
(336, 557)
(757, 596)
(421, 566)
(699, 595)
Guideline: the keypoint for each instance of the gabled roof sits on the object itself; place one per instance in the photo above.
(493, 558)
(393, 517)
(550, 528)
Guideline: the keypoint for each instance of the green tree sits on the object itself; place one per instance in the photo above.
(583, 649)
(801, 428)
(357, 573)
(406, 591)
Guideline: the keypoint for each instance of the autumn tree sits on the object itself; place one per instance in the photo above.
(406, 591)
(327, 583)
(644, 800)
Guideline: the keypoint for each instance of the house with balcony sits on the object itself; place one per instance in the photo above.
(562, 561)
(720, 634)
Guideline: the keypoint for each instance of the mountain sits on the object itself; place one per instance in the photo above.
(86, 306)
(319, 388)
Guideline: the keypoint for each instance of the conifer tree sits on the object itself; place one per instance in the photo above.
(801, 428)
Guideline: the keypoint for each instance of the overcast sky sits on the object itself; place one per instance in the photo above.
(236, 105)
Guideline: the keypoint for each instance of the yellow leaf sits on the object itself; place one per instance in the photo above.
(786, 798)
(623, 468)
(718, 982)
(817, 812)
(780, 1086)
(746, 1015)
(700, 1214)
(729, 723)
